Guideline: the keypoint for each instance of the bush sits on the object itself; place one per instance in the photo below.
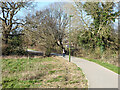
(15, 46)
(48, 52)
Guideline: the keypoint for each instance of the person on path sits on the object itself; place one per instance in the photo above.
(63, 52)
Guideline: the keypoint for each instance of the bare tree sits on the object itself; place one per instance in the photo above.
(8, 18)
(47, 27)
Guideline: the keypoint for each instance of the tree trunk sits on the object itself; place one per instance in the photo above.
(5, 38)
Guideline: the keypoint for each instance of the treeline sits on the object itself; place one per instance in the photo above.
(11, 27)
(99, 39)
(91, 29)
(46, 28)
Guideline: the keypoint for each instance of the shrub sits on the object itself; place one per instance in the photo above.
(48, 52)
(15, 46)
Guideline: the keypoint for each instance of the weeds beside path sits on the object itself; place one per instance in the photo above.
(98, 76)
(50, 72)
(106, 65)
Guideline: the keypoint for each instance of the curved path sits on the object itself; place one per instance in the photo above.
(98, 76)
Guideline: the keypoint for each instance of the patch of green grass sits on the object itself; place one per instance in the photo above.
(53, 80)
(106, 65)
(50, 72)
(79, 69)
(37, 72)
(57, 79)
(17, 65)
(75, 81)
(20, 65)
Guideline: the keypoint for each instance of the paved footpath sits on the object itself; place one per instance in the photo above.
(98, 76)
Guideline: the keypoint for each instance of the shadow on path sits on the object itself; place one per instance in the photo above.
(39, 53)
(34, 53)
(56, 54)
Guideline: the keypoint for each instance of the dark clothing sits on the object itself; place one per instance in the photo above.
(63, 54)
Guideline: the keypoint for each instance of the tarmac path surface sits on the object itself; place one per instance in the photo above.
(98, 76)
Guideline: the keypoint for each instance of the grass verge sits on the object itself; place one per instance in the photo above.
(50, 72)
(106, 65)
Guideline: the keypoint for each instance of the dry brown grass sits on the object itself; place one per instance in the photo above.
(70, 76)
(18, 57)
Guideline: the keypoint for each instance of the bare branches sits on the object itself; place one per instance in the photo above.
(1, 19)
(48, 26)
(9, 23)
(9, 10)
